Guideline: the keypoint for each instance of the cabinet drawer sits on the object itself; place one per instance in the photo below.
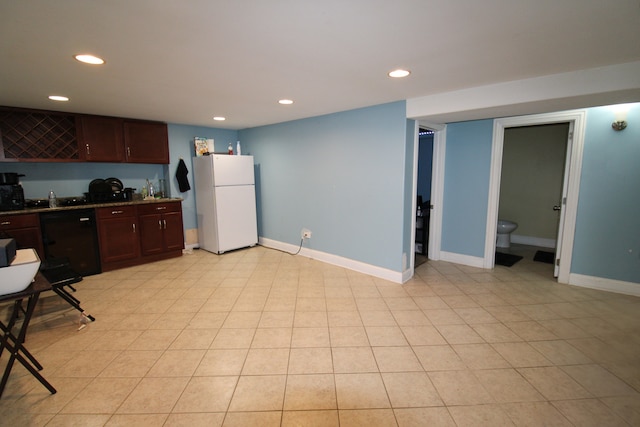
(116, 211)
(158, 208)
(19, 221)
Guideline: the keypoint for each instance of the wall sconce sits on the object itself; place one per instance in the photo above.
(619, 121)
(619, 125)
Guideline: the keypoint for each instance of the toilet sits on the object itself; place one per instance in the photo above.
(505, 228)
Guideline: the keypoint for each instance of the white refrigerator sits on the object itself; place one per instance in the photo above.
(225, 202)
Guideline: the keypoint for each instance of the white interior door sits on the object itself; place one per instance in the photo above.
(563, 202)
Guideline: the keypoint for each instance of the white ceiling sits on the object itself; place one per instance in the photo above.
(185, 61)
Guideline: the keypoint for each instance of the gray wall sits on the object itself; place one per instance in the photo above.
(531, 183)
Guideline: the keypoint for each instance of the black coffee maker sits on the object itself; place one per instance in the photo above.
(11, 192)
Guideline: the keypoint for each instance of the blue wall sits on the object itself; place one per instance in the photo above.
(466, 187)
(607, 234)
(341, 176)
(607, 239)
(72, 179)
(345, 177)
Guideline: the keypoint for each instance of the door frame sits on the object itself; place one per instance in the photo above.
(573, 162)
(437, 188)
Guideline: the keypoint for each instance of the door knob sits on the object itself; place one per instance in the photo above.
(557, 208)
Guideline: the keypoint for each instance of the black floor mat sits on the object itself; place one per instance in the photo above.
(506, 260)
(544, 256)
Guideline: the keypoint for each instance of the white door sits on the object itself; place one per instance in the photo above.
(563, 202)
(236, 217)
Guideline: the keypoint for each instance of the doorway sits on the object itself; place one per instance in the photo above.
(569, 203)
(533, 164)
(423, 195)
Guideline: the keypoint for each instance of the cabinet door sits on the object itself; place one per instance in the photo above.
(25, 229)
(118, 239)
(146, 142)
(151, 234)
(28, 238)
(100, 139)
(173, 233)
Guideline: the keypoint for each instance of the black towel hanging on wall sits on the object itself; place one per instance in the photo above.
(181, 176)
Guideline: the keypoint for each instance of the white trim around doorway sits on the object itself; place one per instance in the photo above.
(578, 118)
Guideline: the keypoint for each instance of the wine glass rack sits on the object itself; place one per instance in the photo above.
(35, 135)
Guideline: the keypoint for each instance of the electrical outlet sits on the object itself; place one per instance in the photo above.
(305, 234)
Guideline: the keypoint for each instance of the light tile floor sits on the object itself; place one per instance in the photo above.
(259, 337)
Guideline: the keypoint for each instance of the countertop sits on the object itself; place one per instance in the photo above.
(92, 206)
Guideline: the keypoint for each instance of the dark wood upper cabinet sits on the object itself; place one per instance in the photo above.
(37, 136)
(50, 136)
(101, 139)
(146, 142)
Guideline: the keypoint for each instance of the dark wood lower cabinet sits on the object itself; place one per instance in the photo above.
(128, 234)
(25, 229)
(160, 229)
(118, 235)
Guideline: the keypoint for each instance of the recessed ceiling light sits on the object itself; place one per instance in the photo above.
(285, 102)
(399, 73)
(89, 59)
(58, 98)
(219, 118)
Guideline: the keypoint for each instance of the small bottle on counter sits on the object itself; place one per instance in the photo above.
(53, 200)
(151, 191)
(161, 191)
(230, 149)
(238, 152)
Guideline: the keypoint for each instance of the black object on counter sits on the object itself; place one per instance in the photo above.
(11, 197)
(10, 178)
(108, 190)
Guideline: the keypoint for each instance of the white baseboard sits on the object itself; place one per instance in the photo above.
(361, 267)
(533, 241)
(617, 286)
(469, 260)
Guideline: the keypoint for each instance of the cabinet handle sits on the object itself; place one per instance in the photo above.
(161, 208)
(164, 221)
(134, 227)
(128, 152)
(116, 212)
(88, 150)
(6, 223)
(160, 224)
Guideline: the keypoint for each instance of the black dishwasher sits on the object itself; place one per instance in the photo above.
(71, 236)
